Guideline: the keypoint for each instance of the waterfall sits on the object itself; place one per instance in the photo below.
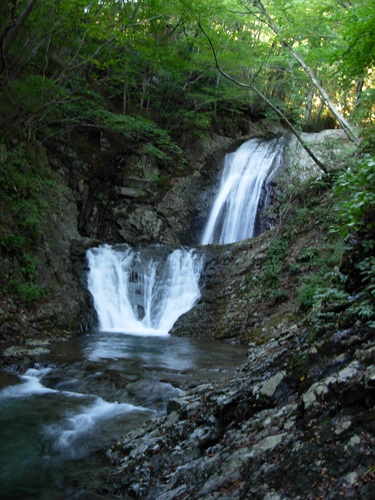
(233, 214)
(142, 292)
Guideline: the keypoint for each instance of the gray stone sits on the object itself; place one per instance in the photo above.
(269, 442)
(171, 495)
(23, 351)
(144, 222)
(272, 495)
(131, 192)
(331, 146)
(366, 355)
(319, 392)
(173, 405)
(354, 441)
(270, 386)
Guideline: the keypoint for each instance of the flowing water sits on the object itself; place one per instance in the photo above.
(145, 291)
(245, 173)
(91, 390)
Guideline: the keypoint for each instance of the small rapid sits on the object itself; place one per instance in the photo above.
(233, 214)
(54, 417)
(71, 432)
(138, 293)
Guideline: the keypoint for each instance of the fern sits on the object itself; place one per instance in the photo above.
(356, 188)
(367, 267)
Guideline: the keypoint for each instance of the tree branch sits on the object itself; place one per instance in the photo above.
(344, 123)
(108, 42)
(12, 32)
(252, 87)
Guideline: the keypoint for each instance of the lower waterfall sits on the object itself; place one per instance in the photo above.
(233, 214)
(142, 291)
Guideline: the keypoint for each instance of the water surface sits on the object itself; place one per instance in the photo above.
(85, 394)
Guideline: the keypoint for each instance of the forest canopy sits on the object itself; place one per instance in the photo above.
(66, 64)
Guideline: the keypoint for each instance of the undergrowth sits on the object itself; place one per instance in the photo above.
(24, 184)
(332, 216)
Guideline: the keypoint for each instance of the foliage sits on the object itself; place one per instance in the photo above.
(312, 293)
(24, 183)
(367, 267)
(358, 53)
(150, 59)
(353, 198)
(143, 71)
(158, 142)
(274, 263)
(356, 191)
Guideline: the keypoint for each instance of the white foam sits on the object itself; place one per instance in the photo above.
(31, 385)
(81, 424)
(233, 214)
(122, 281)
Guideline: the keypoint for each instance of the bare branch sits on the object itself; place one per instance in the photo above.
(251, 86)
(343, 122)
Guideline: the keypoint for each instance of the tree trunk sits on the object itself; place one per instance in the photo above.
(310, 95)
(320, 112)
(359, 91)
(12, 32)
(308, 107)
(267, 101)
(344, 123)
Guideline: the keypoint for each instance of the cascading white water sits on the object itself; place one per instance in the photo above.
(234, 211)
(135, 293)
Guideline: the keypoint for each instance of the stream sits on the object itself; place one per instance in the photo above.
(87, 393)
(59, 407)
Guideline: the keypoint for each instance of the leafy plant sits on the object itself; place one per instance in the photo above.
(310, 254)
(277, 296)
(26, 185)
(356, 208)
(367, 267)
(317, 289)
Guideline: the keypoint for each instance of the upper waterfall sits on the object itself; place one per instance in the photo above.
(142, 292)
(233, 214)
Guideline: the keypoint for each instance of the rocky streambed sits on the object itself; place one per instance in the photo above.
(292, 423)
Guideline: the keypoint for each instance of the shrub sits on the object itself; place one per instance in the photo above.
(356, 208)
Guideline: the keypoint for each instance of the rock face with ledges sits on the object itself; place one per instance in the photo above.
(223, 309)
(264, 433)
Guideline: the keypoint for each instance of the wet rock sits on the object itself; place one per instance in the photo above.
(173, 405)
(142, 225)
(326, 390)
(366, 355)
(21, 351)
(223, 309)
(220, 442)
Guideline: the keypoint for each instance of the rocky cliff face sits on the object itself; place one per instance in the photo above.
(296, 421)
(249, 288)
(121, 197)
(141, 204)
(224, 309)
(129, 199)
